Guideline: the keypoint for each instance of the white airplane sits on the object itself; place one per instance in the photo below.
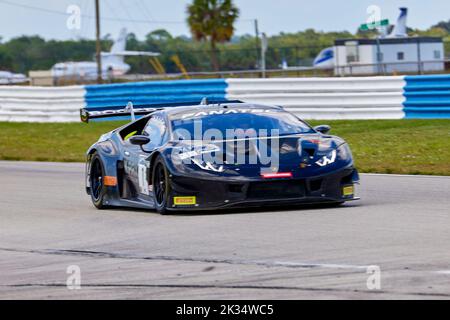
(112, 63)
(7, 77)
(400, 30)
(325, 59)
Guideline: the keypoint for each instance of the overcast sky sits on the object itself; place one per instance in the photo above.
(48, 18)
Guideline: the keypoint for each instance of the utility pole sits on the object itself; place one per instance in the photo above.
(257, 42)
(378, 55)
(263, 54)
(419, 57)
(98, 52)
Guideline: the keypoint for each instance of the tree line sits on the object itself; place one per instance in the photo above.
(26, 53)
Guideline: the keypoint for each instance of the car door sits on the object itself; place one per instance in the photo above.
(156, 130)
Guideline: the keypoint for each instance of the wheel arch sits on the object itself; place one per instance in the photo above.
(90, 153)
(152, 160)
(92, 150)
(109, 164)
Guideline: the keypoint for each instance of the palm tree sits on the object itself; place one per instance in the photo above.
(212, 21)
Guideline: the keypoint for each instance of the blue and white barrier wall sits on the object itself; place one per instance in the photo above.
(310, 98)
(326, 98)
(427, 97)
(41, 104)
(99, 96)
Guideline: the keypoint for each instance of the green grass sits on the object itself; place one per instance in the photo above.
(66, 142)
(383, 146)
(397, 146)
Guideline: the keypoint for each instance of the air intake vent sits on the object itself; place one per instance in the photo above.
(310, 151)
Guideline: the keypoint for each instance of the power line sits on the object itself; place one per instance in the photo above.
(146, 11)
(103, 18)
(32, 7)
(111, 8)
(86, 28)
(125, 9)
(86, 16)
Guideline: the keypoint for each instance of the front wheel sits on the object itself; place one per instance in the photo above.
(161, 185)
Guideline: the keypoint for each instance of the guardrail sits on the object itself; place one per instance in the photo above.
(310, 98)
(154, 92)
(41, 104)
(355, 69)
(427, 96)
(326, 98)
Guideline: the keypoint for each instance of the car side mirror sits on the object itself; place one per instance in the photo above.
(323, 128)
(139, 140)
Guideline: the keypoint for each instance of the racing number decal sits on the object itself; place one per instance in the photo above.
(142, 177)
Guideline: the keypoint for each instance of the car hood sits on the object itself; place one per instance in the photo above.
(300, 155)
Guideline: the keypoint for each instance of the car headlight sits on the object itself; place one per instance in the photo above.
(344, 153)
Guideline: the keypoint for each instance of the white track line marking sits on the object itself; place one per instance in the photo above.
(446, 272)
(308, 265)
(266, 263)
(403, 175)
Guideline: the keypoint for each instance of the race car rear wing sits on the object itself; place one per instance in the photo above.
(86, 115)
(118, 111)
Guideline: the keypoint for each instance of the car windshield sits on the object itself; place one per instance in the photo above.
(229, 123)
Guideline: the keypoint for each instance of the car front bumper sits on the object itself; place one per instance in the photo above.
(189, 193)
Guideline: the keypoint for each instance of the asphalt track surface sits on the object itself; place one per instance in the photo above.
(402, 225)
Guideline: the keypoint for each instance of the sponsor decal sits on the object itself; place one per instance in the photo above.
(198, 152)
(185, 201)
(110, 181)
(85, 115)
(143, 176)
(327, 160)
(208, 166)
(348, 191)
(224, 111)
(159, 122)
(114, 112)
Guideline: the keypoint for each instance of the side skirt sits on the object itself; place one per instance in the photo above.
(140, 204)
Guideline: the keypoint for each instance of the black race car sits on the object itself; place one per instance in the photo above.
(216, 155)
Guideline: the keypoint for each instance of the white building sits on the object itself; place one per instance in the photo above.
(388, 55)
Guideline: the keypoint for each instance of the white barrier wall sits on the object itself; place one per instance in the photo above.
(326, 98)
(310, 98)
(41, 104)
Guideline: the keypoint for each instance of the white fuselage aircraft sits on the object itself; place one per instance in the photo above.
(113, 64)
(7, 77)
(325, 59)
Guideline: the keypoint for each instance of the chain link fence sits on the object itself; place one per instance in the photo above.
(292, 61)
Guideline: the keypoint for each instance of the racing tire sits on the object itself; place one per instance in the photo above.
(161, 185)
(97, 188)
